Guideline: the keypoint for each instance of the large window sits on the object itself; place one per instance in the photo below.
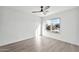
(53, 25)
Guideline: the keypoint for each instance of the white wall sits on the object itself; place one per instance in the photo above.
(16, 25)
(69, 26)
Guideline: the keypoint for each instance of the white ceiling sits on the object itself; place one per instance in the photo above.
(53, 9)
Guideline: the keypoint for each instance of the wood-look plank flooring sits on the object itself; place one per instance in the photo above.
(42, 44)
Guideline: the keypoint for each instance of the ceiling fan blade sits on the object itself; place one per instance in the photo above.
(36, 11)
(47, 7)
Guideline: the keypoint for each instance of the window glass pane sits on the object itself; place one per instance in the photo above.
(53, 25)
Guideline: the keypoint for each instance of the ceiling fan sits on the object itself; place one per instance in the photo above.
(44, 10)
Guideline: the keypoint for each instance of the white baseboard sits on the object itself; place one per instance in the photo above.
(2, 44)
(74, 43)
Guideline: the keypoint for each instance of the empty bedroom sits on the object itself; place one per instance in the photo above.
(39, 29)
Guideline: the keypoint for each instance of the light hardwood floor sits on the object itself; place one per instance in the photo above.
(42, 44)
